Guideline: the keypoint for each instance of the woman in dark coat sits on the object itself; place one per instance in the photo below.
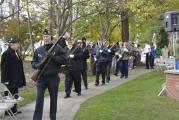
(12, 73)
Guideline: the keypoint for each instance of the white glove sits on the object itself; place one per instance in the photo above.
(116, 53)
(71, 56)
(120, 56)
(95, 59)
(6, 83)
(125, 50)
(109, 50)
(100, 51)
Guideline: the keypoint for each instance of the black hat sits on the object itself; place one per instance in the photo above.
(45, 32)
(83, 39)
(12, 41)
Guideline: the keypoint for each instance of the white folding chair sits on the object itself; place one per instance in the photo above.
(2, 114)
(9, 100)
(7, 107)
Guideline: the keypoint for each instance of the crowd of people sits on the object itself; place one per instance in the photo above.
(71, 58)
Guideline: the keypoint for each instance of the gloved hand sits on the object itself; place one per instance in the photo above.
(116, 53)
(100, 51)
(6, 83)
(38, 66)
(125, 50)
(95, 59)
(49, 55)
(71, 56)
(109, 51)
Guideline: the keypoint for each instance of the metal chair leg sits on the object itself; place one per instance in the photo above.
(11, 114)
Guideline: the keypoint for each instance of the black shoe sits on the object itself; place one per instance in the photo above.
(115, 74)
(96, 84)
(18, 112)
(122, 76)
(103, 84)
(67, 96)
(86, 88)
(74, 90)
(126, 77)
(79, 94)
(107, 81)
(6, 113)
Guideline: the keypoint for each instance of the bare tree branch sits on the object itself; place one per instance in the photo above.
(4, 18)
(69, 25)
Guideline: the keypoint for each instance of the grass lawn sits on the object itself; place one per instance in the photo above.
(135, 100)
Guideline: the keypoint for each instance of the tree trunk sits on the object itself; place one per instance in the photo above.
(51, 17)
(18, 25)
(12, 8)
(125, 26)
(102, 33)
(29, 27)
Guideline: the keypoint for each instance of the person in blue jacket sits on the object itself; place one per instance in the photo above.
(152, 56)
(101, 59)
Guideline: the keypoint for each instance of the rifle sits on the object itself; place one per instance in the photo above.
(46, 60)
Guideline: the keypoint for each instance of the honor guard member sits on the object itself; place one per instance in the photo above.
(101, 61)
(84, 62)
(118, 61)
(73, 68)
(124, 61)
(110, 56)
(49, 79)
(12, 72)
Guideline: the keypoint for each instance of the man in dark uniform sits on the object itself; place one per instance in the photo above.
(84, 62)
(73, 68)
(110, 56)
(117, 50)
(49, 78)
(12, 73)
(101, 62)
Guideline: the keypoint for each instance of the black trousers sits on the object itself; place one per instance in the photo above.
(51, 83)
(152, 62)
(94, 69)
(14, 91)
(84, 77)
(147, 60)
(72, 76)
(118, 67)
(101, 69)
(124, 68)
(108, 71)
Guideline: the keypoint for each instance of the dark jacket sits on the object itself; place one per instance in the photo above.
(12, 69)
(111, 54)
(74, 64)
(53, 68)
(84, 58)
(101, 57)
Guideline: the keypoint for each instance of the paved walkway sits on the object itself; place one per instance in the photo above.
(67, 108)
